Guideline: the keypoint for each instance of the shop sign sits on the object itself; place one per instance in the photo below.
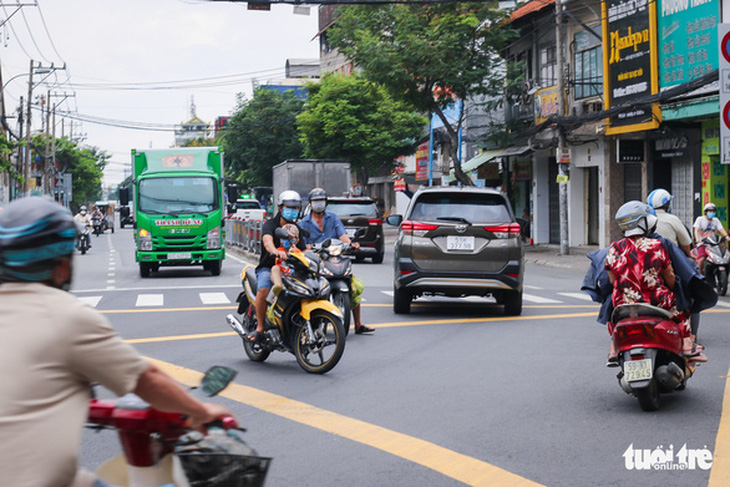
(546, 104)
(672, 147)
(687, 40)
(522, 170)
(422, 162)
(630, 63)
(399, 184)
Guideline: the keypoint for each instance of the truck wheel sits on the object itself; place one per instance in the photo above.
(215, 267)
(144, 269)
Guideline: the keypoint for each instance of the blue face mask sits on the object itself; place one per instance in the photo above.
(290, 214)
(286, 244)
(710, 215)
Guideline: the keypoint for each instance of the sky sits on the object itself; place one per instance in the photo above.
(140, 63)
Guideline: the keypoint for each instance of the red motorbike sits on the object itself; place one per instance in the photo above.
(649, 345)
(160, 449)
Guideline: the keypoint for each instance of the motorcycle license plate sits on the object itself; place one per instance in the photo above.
(179, 255)
(638, 370)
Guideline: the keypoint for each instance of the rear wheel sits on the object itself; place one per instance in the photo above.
(378, 258)
(513, 303)
(144, 269)
(401, 301)
(649, 396)
(254, 351)
(342, 301)
(319, 353)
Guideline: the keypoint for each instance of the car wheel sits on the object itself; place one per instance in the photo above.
(401, 301)
(378, 258)
(512, 303)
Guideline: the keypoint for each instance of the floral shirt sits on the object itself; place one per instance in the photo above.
(638, 264)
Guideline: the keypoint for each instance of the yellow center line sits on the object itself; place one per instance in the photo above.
(458, 466)
(720, 473)
(379, 325)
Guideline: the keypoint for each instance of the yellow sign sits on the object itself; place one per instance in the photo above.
(546, 104)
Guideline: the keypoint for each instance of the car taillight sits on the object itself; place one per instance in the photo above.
(375, 222)
(417, 229)
(507, 230)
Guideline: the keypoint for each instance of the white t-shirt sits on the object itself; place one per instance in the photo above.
(707, 227)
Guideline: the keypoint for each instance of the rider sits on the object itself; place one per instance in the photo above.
(706, 226)
(290, 204)
(82, 216)
(321, 225)
(640, 269)
(56, 346)
(669, 226)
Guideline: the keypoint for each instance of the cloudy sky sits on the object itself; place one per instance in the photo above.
(133, 66)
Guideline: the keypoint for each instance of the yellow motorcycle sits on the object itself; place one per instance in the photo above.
(300, 321)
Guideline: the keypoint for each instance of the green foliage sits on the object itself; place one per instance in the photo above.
(200, 142)
(6, 149)
(261, 133)
(86, 164)
(427, 55)
(349, 117)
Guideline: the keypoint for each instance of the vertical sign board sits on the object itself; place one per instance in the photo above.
(630, 63)
(687, 40)
(724, 67)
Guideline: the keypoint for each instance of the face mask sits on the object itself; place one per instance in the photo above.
(290, 214)
(318, 206)
(286, 244)
(710, 215)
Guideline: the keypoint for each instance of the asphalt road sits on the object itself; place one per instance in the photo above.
(452, 394)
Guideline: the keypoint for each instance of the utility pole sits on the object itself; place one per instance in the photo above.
(562, 161)
(26, 162)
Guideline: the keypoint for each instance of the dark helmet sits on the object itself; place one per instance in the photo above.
(34, 234)
(317, 194)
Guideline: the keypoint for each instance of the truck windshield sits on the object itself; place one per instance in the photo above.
(177, 195)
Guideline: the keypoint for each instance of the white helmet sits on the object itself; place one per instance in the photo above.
(709, 207)
(659, 198)
(290, 198)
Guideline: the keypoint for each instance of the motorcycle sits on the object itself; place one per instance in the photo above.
(717, 264)
(337, 269)
(300, 320)
(98, 224)
(649, 346)
(83, 242)
(161, 449)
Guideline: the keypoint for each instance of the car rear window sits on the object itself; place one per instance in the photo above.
(474, 207)
(352, 208)
(248, 205)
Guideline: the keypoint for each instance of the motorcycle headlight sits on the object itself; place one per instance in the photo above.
(325, 271)
(334, 250)
(298, 287)
(324, 288)
(144, 241)
(213, 238)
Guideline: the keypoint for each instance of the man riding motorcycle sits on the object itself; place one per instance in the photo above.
(321, 225)
(56, 346)
(706, 226)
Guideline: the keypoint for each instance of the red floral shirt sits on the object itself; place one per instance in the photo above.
(638, 264)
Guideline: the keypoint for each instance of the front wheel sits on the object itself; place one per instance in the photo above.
(144, 269)
(649, 396)
(215, 267)
(320, 352)
(721, 275)
(342, 301)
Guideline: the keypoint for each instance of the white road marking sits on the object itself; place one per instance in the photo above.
(150, 300)
(724, 304)
(581, 296)
(539, 299)
(91, 300)
(528, 286)
(214, 298)
(388, 293)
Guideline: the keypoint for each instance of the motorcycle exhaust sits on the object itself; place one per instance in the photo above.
(235, 324)
(669, 376)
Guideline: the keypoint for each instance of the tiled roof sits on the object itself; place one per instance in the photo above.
(530, 7)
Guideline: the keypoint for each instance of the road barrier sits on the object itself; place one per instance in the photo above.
(244, 234)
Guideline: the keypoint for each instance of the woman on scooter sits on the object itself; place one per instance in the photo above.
(641, 271)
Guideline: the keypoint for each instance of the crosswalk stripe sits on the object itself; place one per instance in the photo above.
(214, 298)
(724, 304)
(90, 300)
(581, 296)
(150, 300)
(388, 293)
(528, 286)
(539, 299)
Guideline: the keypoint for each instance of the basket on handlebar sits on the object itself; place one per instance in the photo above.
(212, 469)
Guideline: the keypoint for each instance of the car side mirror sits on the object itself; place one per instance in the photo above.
(394, 220)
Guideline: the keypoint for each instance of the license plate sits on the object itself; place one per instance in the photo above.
(638, 370)
(350, 232)
(179, 256)
(459, 243)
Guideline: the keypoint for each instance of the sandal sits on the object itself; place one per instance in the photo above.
(364, 329)
(255, 337)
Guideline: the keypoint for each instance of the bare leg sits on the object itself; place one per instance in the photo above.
(261, 309)
(356, 316)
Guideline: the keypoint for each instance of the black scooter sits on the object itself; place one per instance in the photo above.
(337, 269)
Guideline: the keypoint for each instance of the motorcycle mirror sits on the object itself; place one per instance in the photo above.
(216, 379)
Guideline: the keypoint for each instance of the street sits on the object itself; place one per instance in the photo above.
(452, 394)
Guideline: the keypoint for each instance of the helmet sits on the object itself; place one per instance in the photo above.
(659, 198)
(290, 198)
(317, 194)
(709, 207)
(636, 218)
(83, 208)
(34, 234)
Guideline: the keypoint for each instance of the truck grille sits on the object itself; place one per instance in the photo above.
(178, 243)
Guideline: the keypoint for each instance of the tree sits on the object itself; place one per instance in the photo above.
(85, 164)
(428, 55)
(261, 134)
(349, 117)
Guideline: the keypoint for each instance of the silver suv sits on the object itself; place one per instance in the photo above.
(458, 242)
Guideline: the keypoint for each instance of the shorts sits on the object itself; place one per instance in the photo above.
(700, 251)
(263, 278)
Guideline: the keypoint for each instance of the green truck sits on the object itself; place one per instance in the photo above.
(179, 211)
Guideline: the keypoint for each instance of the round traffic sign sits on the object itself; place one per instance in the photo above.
(725, 47)
(726, 115)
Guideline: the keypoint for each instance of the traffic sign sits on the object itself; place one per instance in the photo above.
(724, 67)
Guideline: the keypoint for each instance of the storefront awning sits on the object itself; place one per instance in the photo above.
(476, 161)
(515, 151)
